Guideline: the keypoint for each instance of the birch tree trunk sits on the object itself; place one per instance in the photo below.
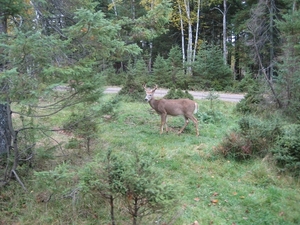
(197, 31)
(182, 34)
(189, 52)
(224, 12)
(115, 7)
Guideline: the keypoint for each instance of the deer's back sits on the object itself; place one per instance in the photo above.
(175, 107)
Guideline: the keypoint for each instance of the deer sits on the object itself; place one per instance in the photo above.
(173, 107)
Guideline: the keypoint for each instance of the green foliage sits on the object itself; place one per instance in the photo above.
(178, 77)
(209, 69)
(169, 72)
(9, 8)
(54, 181)
(114, 78)
(247, 84)
(178, 93)
(131, 178)
(255, 137)
(251, 103)
(73, 143)
(74, 188)
(212, 95)
(83, 125)
(210, 116)
(133, 87)
(146, 192)
(54, 68)
(287, 150)
(161, 72)
(110, 107)
(289, 70)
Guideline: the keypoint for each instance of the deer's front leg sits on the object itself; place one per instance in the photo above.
(163, 123)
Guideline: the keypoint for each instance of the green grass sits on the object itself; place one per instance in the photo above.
(209, 188)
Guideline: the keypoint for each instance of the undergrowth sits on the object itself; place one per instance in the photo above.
(173, 179)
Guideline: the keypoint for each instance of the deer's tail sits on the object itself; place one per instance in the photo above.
(196, 108)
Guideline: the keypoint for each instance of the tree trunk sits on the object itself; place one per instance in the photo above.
(135, 213)
(224, 12)
(197, 31)
(182, 33)
(115, 7)
(189, 52)
(266, 75)
(112, 213)
(6, 128)
(5, 137)
(271, 71)
(224, 32)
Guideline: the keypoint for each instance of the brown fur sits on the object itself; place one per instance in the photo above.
(173, 107)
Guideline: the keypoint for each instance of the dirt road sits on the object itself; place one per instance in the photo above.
(197, 94)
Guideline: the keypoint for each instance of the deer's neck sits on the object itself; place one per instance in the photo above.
(154, 104)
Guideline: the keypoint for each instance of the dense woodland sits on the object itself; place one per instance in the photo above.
(56, 55)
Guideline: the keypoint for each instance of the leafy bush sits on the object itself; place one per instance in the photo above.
(116, 79)
(251, 103)
(245, 85)
(287, 150)
(177, 93)
(235, 146)
(211, 116)
(161, 72)
(130, 183)
(83, 125)
(109, 107)
(132, 89)
(254, 137)
(209, 69)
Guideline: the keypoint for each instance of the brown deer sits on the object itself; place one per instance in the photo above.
(174, 107)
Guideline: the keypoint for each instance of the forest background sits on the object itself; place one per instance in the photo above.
(60, 55)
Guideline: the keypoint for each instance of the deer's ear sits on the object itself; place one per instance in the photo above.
(155, 87)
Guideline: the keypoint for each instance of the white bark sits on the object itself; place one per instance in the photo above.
(196, 31)
(224, 12)
(182, 34)
(190, 38)
(115, 7)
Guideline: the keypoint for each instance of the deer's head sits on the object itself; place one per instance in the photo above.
(149, 93)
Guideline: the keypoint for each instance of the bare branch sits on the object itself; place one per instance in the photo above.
(19, 180)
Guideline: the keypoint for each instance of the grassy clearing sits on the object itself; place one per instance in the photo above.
(209, 188)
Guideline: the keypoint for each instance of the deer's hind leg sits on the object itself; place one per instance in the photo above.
(193, 118)
(195, 121)
(186, 119)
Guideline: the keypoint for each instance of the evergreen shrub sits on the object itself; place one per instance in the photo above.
(132, 90)
(209, 69)
(251, 103)
(136, 77)
(116, 79)
(210, 116)
(253, 138)
(287, 150)
(174, 93)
